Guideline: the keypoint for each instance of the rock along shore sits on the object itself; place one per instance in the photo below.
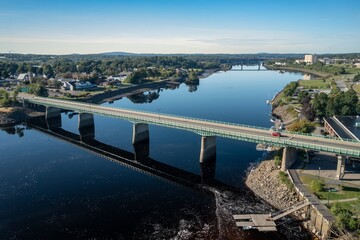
(265, 182)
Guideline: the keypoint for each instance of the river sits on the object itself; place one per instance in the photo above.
(52, 189)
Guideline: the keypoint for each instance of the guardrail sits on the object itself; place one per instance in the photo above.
(106, 111)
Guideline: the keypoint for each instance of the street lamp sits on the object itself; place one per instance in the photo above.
(328, 196)
(159, 112)
(319, 173)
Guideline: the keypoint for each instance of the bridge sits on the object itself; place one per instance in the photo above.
(208, 129)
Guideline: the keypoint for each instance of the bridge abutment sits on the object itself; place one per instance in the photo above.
(340, 169)
(208, 148)
(288, 158)
(140, 133)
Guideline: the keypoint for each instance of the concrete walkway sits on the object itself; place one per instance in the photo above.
(339, 200)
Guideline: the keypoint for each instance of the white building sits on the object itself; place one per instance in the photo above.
(310, 58)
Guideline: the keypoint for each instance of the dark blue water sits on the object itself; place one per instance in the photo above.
(52, 189)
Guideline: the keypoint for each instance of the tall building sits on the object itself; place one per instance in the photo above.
(310, 58)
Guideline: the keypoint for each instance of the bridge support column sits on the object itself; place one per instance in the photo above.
(340, 169)
(52, 112)
(86, 126)
(288, 158)
(85, 120)
(207, 170)
(208, 148)
(53, 117)
(140, 133)
(141, 151)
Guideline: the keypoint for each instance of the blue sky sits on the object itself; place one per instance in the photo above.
(197, 26)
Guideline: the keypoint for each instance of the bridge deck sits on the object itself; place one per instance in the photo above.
(211, 128)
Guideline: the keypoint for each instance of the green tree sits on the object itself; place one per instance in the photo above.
(316, 185)
(290, 88)
(357, 78)
(38, 89)
(320, 103)
(5, 100)
(302, 125)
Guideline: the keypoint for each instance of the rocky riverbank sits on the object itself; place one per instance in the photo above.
(264, 181)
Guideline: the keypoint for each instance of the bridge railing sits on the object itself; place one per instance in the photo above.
(63, 104)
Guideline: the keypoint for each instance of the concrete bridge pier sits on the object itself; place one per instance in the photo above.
(86, 126)
(140, 133)
(85, 120)
(208, 148)
(288, 158)
(207, 170)
(53, 117)
(340, 169)
(141, 151)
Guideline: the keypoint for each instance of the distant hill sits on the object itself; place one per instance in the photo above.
(117, 54)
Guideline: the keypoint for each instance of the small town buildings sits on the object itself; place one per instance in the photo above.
(75, 85)
(120, 77)
(343, 127)
(25, 76)
(310, 58)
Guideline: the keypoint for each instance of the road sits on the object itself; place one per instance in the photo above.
(211, 128)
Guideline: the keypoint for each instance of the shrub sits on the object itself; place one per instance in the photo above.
(285, 180)
(277, 160)
(316, 185)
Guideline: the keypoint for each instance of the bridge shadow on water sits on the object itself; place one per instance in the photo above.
(228, 199)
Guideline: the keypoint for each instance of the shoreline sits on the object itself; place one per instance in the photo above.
(19, 114)
(263, 180)
(303, 70)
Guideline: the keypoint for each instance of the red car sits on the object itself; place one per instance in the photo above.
(276, 134)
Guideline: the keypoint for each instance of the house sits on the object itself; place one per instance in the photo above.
(84, 86)
(25, 76)
(120, 77)
(68, 85)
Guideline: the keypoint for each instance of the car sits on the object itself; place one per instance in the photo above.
(276, 134)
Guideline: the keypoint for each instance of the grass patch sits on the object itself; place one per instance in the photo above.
(344, 192)
(278, 98)
(314, 84)
(285, 180)
(356, 87)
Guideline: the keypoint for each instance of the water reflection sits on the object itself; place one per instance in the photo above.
(19, 130)
(139, 159)
(193, 85)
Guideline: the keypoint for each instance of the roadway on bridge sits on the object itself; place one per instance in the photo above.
(212, 128)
